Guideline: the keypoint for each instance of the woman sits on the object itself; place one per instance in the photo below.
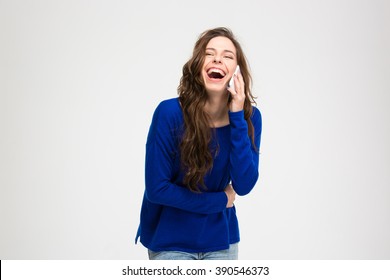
(202, 150)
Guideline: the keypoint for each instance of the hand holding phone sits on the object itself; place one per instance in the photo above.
(231, 82)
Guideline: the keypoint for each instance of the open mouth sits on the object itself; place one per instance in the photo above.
(215, 73)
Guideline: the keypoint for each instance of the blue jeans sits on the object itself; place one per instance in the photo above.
(228, 254)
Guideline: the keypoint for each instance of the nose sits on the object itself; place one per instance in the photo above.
(217, 59)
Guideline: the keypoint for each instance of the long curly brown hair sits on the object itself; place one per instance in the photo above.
(196, 156)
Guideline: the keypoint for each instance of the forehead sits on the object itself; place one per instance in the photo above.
(221, 43)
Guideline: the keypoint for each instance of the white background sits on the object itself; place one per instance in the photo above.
(79, 81)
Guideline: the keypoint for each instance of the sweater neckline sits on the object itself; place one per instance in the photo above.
(222, 127)
(218, 128)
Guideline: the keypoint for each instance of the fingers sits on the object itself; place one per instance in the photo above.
(239, 85)
(238, 93)
(231, 196)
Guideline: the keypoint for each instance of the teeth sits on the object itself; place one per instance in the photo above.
(216, 70)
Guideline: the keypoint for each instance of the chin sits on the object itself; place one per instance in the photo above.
(216, 89)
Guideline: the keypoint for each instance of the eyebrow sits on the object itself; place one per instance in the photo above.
(229, 51)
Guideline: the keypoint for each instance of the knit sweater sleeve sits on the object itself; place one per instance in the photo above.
(244, 158)
(161, 147)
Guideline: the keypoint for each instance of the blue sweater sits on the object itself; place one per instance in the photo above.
(174, 218)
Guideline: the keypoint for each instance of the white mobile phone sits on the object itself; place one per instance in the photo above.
(231, 82)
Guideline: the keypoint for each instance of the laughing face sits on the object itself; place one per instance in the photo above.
(219, 64)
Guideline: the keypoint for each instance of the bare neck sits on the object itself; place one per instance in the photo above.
(217, 109)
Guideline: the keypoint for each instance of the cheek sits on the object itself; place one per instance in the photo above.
(208, 60)
(232, 67)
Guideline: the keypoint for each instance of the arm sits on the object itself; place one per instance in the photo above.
(244, 159)
(159, 170)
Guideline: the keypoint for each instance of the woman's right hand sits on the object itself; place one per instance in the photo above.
(231, 195)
